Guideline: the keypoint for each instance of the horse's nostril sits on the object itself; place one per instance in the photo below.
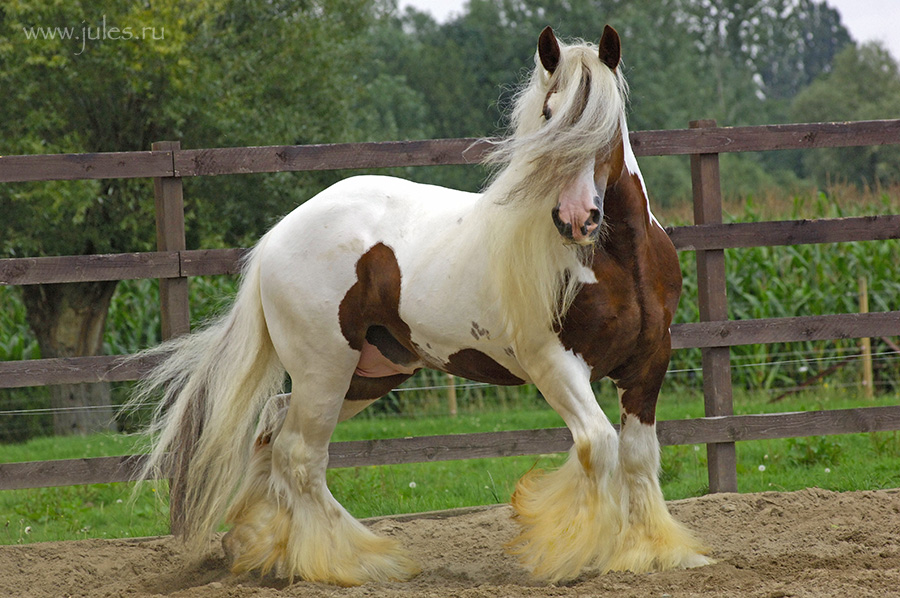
(595, 216)
(564, 228)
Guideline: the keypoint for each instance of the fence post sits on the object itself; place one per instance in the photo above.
(713, 300)
(451, 394)
(868, 377)
(175, 314)
(173, 292)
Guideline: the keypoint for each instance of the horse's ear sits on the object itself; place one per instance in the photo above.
(610, 48)
(548, 50)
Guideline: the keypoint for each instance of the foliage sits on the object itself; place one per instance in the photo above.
(799, 280)
(814, 451)
(68, 93)
(864, 85)
(778, 45)
(738, 61)
(208, 73)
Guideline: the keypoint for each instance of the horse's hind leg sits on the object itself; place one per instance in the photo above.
(285, 518)
(652, 539)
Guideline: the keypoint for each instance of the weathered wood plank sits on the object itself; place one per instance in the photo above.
(730, 333)
(168, 195)
(72, 370)
(430, 152)
(423, 153)
(120, 266)
(111, 165)
(734, 428)
(81, 268)
(227, 261)
(770, 426)
(70, 472)
(448, 447)
(787, 232)
(207, 262)
(712, 298)
(764, 138)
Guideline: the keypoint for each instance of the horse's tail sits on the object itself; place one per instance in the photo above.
(214, 383)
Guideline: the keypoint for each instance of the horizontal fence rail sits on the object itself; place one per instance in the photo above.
(432, 152)
(205, 262)
(784, 232)
(71, 167)
(167, 163)
(721, 140)
(726, 333)
(392, 451)
(119, 266)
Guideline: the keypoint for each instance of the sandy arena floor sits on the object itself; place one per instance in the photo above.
(773, 545)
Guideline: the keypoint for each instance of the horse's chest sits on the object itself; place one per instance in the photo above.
(604, 326)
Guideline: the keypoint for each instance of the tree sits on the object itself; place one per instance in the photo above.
(762, 50)
(117, 75)
(67, 87)
(864, 85)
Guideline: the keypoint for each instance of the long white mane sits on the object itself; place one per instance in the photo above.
(535, 272)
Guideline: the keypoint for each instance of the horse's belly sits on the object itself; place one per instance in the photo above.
(374, 364)
(481, 367)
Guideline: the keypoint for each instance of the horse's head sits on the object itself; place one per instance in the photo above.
(581, 114)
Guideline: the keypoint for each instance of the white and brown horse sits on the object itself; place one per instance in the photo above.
(556, 275)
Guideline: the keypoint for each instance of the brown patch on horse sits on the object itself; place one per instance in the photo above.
(475, 365)
(620, 324)
(363, 388)
(642, 378)
(389, 346)
(370, 313)
(374, 299)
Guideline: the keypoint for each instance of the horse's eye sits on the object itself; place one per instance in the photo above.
(547, 112)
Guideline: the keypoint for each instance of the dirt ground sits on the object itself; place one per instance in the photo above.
(771, 545)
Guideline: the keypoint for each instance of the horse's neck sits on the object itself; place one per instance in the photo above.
(525, 257)
(626, 207)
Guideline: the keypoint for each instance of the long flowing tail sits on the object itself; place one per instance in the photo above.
(214, 383)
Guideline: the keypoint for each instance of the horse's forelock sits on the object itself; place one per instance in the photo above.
(584, 121)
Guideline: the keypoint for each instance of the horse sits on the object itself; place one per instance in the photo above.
(557, 274)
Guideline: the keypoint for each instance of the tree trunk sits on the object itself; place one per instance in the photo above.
(68, 321)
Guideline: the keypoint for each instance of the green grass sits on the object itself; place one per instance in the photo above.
(850, 462)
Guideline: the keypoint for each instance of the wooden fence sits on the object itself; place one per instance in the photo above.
(173, 264)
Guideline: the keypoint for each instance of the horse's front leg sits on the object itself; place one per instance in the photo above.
(652, 539)
(571, 519)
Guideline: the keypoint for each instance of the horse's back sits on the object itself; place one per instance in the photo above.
(313, 257)
(356, 213)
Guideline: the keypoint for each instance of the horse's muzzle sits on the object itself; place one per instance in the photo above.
(587, 231)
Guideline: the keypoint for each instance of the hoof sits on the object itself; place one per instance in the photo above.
(314, 547)
(571, 524)
(568, 525)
